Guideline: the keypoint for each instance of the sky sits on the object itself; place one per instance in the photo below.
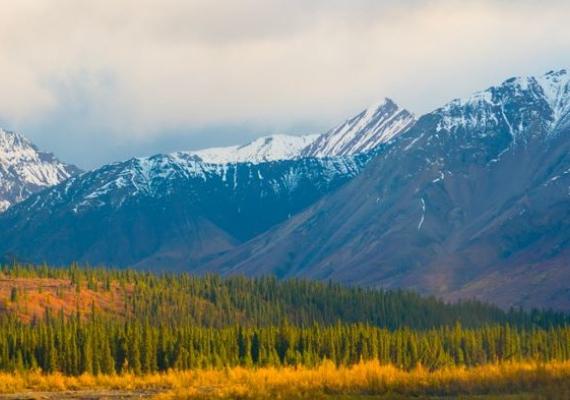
(106, 80)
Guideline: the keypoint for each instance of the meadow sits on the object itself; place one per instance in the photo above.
(366, 380)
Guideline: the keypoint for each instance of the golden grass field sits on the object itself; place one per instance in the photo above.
(363, 381)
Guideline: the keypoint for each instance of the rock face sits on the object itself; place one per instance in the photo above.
(473, 201)
(165, 212)
(25, 170)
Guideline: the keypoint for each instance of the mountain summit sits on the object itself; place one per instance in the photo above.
(25, 170)
(376, 125)
(360, 134)
(516, 102)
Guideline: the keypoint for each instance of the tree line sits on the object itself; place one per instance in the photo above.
(74, 346)
(214, 301)
(180, 321)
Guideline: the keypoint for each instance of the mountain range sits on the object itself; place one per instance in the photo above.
(25, 170)
(469, 200)
(177, 211)
(166, 211)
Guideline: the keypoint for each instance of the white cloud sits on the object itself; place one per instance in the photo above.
(139, 68)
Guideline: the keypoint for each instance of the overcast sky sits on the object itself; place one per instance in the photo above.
(98, 81)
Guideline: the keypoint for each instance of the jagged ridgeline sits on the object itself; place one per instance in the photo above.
(107, 321)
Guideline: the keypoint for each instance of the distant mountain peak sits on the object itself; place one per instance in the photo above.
(263, 149)
(11, 138)
(375, 125)
(25, 170)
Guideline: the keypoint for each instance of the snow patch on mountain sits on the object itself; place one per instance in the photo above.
(555, 86)
(268, 148)
(4, 204)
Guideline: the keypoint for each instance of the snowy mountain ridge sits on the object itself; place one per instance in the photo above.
(168, 210)
(160, 175)
(263, 149)
(375, 125)
(548, 93)
(25, 170)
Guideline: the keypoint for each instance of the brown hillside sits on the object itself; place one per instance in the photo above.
(29, 298)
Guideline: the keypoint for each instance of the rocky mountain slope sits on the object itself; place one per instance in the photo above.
(473, 201)
(25, 170)
(167, 211)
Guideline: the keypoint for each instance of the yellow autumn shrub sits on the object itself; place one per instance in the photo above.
(367, 378)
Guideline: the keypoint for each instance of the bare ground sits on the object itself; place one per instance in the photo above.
(81, 395)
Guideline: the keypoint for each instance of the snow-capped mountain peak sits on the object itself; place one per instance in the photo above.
(375, 125)
(24, 169)
(267, 148)
(514, 103)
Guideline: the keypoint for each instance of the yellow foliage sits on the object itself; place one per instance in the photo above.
(369, 378)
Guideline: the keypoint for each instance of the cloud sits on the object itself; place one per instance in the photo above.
(137, 69)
